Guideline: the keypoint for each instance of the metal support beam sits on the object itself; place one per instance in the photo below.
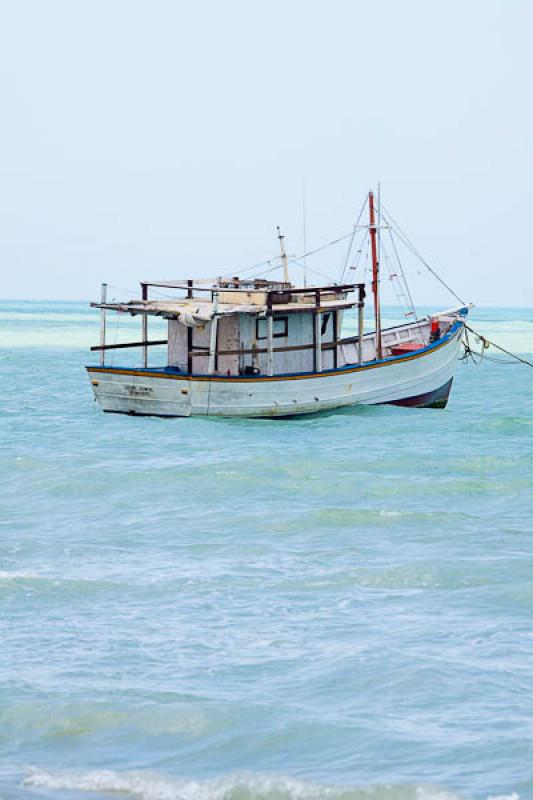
(103, 300)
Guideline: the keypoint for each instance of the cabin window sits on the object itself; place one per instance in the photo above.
(325, 320)
(280, 327)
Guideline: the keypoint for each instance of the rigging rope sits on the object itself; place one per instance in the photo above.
(486, 342)
(397, 286)
(249, 269)
(359, 255)
(324, 246)
(295, 260)
(392, 225)
(402, 273)
(389, 219)
(355, 229)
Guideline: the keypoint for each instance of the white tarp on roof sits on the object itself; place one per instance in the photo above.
(190, 313)
(196, 317)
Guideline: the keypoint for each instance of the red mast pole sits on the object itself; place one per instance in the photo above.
(375, 273)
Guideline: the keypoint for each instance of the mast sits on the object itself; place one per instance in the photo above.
(284, 260)
(375, 274)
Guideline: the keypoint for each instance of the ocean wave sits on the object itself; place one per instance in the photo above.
(36, 578)
(348, 517)
(152, 786)
(16, 575)
(42, 720)
(11, 580)
(85, 316)
(75, 337)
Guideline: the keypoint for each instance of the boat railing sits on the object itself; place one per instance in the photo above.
(281, 294)
(276, 293)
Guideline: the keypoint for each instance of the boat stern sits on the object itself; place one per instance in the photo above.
(134, 392)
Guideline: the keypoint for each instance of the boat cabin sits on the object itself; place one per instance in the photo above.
(247, 327)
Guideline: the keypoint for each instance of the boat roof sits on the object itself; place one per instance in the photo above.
(227, 298)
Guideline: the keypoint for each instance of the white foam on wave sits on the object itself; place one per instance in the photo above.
(151, 786)
(512, 796)
(13, 575)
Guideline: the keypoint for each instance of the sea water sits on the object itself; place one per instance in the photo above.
(335, 606)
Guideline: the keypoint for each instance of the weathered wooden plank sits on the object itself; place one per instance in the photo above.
(128, 344)
(255, 350)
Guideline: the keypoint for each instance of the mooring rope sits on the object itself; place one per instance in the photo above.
(485, 343)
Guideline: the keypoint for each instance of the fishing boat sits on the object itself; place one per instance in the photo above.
(256, 347)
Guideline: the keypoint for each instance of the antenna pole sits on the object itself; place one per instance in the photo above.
(283, 256)
(304, 221)
(375, 273)
(103, 300)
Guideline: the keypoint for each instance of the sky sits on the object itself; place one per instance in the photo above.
(162, 139)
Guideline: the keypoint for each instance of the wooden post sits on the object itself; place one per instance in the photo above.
(313, 328)
(144, 288)
(335, 337)
(103, 300)
(212, 346)
(189, 349)
(270, 350)
(318, 342)
(360, 326)
(189, 288)
(211, 366)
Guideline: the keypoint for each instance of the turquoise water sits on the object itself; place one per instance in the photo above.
(336, 606)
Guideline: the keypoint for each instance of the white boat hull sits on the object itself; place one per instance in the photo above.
(420, 379)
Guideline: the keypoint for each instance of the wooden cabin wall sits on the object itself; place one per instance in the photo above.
(300, 330)
(328, 335)
(301, 327)
(228, 339)
(347, 354)
(201, 337)
(236, 333)
(177, 344)
(247, 340)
